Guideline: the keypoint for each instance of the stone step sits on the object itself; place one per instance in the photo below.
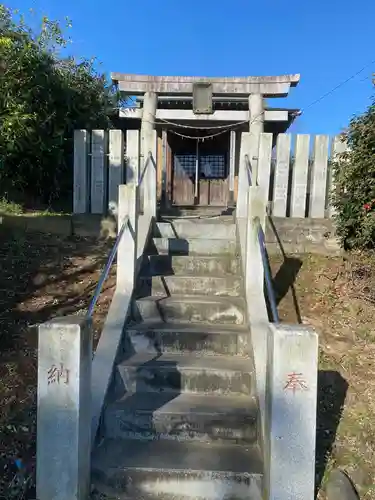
(183, 417)
(191, 264)
(195, 228)
(179, 373)
(173, 470)
(193, 308)
(192, 246)
(164, 286)
(156, 337)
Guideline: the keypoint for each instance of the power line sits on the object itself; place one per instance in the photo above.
(338, 86)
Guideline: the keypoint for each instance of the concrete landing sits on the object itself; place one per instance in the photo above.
(193, 246)
(167, 470)
(214, 229)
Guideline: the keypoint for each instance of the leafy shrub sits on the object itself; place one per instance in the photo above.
(43, 98)
(354, 196)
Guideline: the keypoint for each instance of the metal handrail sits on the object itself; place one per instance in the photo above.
(267, 271)
(105, 272)
(143, 172)
(248, 169)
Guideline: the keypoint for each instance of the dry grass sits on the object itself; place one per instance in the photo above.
(41, 277)
(337, 296)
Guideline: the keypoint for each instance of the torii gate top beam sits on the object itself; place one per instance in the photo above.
(268, 86)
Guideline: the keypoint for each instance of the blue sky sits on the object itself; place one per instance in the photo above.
(326, 41)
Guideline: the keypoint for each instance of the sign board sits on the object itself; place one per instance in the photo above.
(202, 98)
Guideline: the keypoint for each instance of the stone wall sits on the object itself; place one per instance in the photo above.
(296, 235)
(299, 235)
(62, 225)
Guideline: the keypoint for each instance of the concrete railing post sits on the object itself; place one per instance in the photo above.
(253, 264)
(254, 282)
(149, 179)
(256, 128)
(64, 409)
(150, 104)
(127, 249)
(292, 372)
(243, 181)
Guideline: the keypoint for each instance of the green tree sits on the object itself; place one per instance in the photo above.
(43, 98)
(354, 171)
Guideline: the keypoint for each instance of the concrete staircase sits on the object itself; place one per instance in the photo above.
(181, 420)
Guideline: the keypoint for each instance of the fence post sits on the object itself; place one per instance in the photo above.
(64, 409)
(98, 173)
(80, 176)
(318, 186)
(127, 249)
(115, 168)
(300, 173)
(292, 372)
(339, 146)
(132, 157)
(281, 175)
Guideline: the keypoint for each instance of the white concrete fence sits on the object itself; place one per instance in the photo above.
(100, 167)
(295, 175)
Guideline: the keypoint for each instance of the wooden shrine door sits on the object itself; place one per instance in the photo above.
(201, 177)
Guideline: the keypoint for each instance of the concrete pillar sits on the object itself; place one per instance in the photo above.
(232, 165)
(243, 181)
(64, 409)
(98, 172)
(150, 105)
(280, 188)
(80, 183)
(256, 127)
(300, 176)
(318, 188)
(254, 268)
(115, 169)
(132, 157)
(164, 194)
(291, 412)
(264, 166)
(127, 249)
(339, 146)
(150, 180)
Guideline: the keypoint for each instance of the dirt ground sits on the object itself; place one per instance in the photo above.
(44, 276)
(41, 277)
(337, 297)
